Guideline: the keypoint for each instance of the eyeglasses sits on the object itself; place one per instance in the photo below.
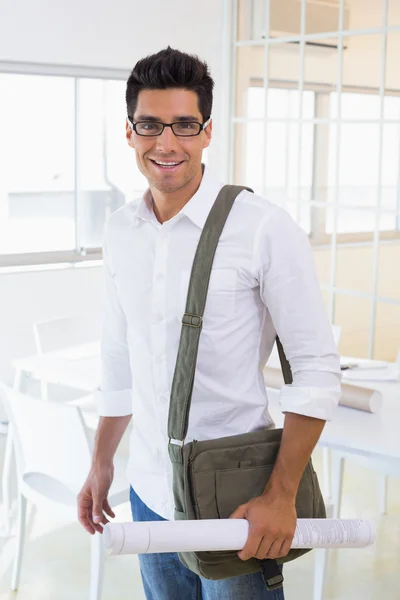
(180, 128)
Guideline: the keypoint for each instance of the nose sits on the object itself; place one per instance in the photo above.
(167, 141)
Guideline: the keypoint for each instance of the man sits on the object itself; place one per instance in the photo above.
(262, 284)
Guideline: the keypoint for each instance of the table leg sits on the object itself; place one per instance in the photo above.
(326, 473)
(6, 481)
(337, 482)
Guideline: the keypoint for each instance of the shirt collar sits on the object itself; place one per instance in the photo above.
(198, 207)
(145, 208)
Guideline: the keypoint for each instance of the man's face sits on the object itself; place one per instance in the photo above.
(168, 106)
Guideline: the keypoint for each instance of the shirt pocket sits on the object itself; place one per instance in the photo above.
(221, 295)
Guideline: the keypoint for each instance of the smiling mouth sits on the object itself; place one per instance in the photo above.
(166, 164)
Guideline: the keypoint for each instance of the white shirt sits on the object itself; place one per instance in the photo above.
(263, 282)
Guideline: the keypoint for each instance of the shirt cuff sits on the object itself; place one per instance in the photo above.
(114, 404)
(317, 402)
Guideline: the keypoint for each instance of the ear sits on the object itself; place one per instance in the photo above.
(208, 134)
(129, 134)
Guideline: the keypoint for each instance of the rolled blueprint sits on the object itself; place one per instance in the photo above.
(361, 398)
(229, 534)
(353, 396)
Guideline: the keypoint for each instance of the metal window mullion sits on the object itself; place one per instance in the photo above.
(266, 80)
(337, 165)
(300, 92)
(375, 259)
(309, 37)
(320, 152)
(287, 152)
(77, 164)
(360, 294)
(232, 86)
(317, 121)
(398, 187)
(228, 95)
(53, 70)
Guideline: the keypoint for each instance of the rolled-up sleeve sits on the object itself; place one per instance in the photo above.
(114, 399)
(290, 291)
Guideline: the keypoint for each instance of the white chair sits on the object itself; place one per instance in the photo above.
(65, 332)
(53, 455)
(52, 335)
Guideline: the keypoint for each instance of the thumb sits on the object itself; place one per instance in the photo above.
(240, 512)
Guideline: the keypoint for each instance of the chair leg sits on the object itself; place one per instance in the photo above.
(383, 489)
(321, 557)
(6, 480)
(326, 473)
(20, 542)
(97, 557)
(337, 483)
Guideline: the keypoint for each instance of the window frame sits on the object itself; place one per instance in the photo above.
(78, 254)
(319, 236)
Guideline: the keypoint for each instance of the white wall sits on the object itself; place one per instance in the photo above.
(102, 34)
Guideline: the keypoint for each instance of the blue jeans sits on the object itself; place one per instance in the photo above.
(166, 578)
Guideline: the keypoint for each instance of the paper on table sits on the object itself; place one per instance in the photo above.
(353, 396)
(229, 534)
(390, 372)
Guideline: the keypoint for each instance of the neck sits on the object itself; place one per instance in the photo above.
(167, 205)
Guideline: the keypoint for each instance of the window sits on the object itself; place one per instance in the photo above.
(315, 127)
(65, 165)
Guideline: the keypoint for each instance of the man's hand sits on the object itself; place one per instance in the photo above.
(92, 499)
(272, 524)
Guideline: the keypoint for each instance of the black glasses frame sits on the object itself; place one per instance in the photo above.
(164, 125)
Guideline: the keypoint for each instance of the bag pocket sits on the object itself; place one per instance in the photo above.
(234, 487)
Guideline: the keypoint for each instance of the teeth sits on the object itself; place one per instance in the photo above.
(166, 164)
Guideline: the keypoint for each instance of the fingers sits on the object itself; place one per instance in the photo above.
(91, 512)
(252, 545)
(84, 501)
(273, 548)
(263, 546)
(85, 519)
(287, 544)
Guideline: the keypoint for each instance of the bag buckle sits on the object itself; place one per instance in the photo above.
(176, 442)
(192, 320)
(271, 573)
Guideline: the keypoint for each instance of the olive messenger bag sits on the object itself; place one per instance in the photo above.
(211, 478)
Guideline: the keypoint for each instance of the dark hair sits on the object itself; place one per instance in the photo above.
(171, 68)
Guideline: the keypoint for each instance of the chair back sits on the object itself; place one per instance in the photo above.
(49, 438)
(65, 332)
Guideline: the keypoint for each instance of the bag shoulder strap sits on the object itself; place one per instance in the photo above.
(192, 321)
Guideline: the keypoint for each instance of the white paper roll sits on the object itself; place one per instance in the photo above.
(353, 396)
(229, 534)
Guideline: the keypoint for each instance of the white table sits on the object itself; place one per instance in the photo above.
(77, 367)
(359, 434)
(366, 434)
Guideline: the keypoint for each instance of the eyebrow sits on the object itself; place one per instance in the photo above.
(183, 118)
